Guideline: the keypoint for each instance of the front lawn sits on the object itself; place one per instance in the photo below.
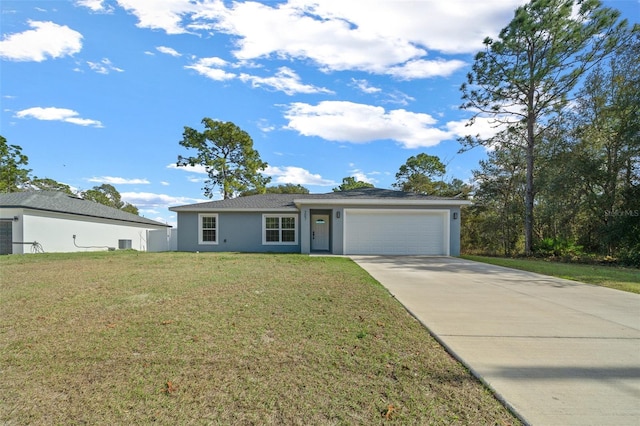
(626, 279)
(187, 338)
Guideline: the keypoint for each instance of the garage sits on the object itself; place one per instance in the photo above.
(396, 232)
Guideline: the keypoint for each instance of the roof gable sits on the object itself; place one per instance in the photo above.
(60, 202)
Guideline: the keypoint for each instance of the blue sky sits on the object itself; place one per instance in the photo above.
(99, 91)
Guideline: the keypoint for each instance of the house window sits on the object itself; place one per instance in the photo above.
(208, 228)
(279, 229)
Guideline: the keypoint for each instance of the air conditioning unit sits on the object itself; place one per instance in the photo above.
(124, 244)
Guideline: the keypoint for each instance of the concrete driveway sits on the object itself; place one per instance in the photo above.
(557, 352)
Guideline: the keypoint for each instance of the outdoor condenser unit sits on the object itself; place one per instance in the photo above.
(124, 244)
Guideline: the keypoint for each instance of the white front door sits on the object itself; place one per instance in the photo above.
(320, 232)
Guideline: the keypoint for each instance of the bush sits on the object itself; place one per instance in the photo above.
(630, 257)
(558, 247)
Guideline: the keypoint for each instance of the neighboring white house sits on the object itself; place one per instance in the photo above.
(52, 221)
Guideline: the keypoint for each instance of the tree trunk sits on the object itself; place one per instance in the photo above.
(529, 190)
(226, 190)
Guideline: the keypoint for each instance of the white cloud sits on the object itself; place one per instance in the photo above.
(198, 168)
(162, 14)
(212, 69)
(169, 220)
(118, 180)
(342, 121)
(398, 98)
(213, 62)
(288, 31)
(265, 126)
(57, 114)
(46, 39)
(422, 68)
(103, 67)
(358, 123)
(364, 86)
(153, 204)
(164, 183)
(168, 51)
(363, 177)
(95, 5)
(149, 200)
(452, 26)
(484, 125)
(286, 80)
(296, 176)
(379, 36)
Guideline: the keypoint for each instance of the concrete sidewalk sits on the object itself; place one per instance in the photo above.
(557, 352)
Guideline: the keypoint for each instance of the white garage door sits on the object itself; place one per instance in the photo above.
(424, 232)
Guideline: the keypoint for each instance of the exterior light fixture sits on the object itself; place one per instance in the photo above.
(337, 215)
(455, 215)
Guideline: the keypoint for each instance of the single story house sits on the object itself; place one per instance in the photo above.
(53, 221)
(360, 221)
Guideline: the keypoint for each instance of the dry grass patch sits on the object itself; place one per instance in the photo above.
(185, 338)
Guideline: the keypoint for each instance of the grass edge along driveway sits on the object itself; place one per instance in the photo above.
(186, 338)
(625, 279)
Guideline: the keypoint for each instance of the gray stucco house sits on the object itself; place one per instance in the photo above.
(361, 221)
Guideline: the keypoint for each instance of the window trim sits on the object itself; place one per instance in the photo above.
(280, 242)
(200, 228)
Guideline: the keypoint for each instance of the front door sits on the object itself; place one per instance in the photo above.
(320, 232)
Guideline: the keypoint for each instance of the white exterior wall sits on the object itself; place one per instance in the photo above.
(55, 231)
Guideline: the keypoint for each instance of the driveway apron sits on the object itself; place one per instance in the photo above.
(557, 352)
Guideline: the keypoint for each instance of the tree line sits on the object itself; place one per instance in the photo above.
(234, 167)
(587, 175)
(562, 178)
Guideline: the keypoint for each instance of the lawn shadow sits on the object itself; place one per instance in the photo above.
(619, 377)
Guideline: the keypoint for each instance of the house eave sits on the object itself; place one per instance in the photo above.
(234, 210)
(379, 202)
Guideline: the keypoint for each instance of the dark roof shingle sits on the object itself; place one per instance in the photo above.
(286, 201)
(260, 201)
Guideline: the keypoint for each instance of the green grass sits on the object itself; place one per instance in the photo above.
(626, 279)
(186, 338)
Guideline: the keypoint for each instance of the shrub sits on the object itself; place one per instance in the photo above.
(630, 257)
(558, 247)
